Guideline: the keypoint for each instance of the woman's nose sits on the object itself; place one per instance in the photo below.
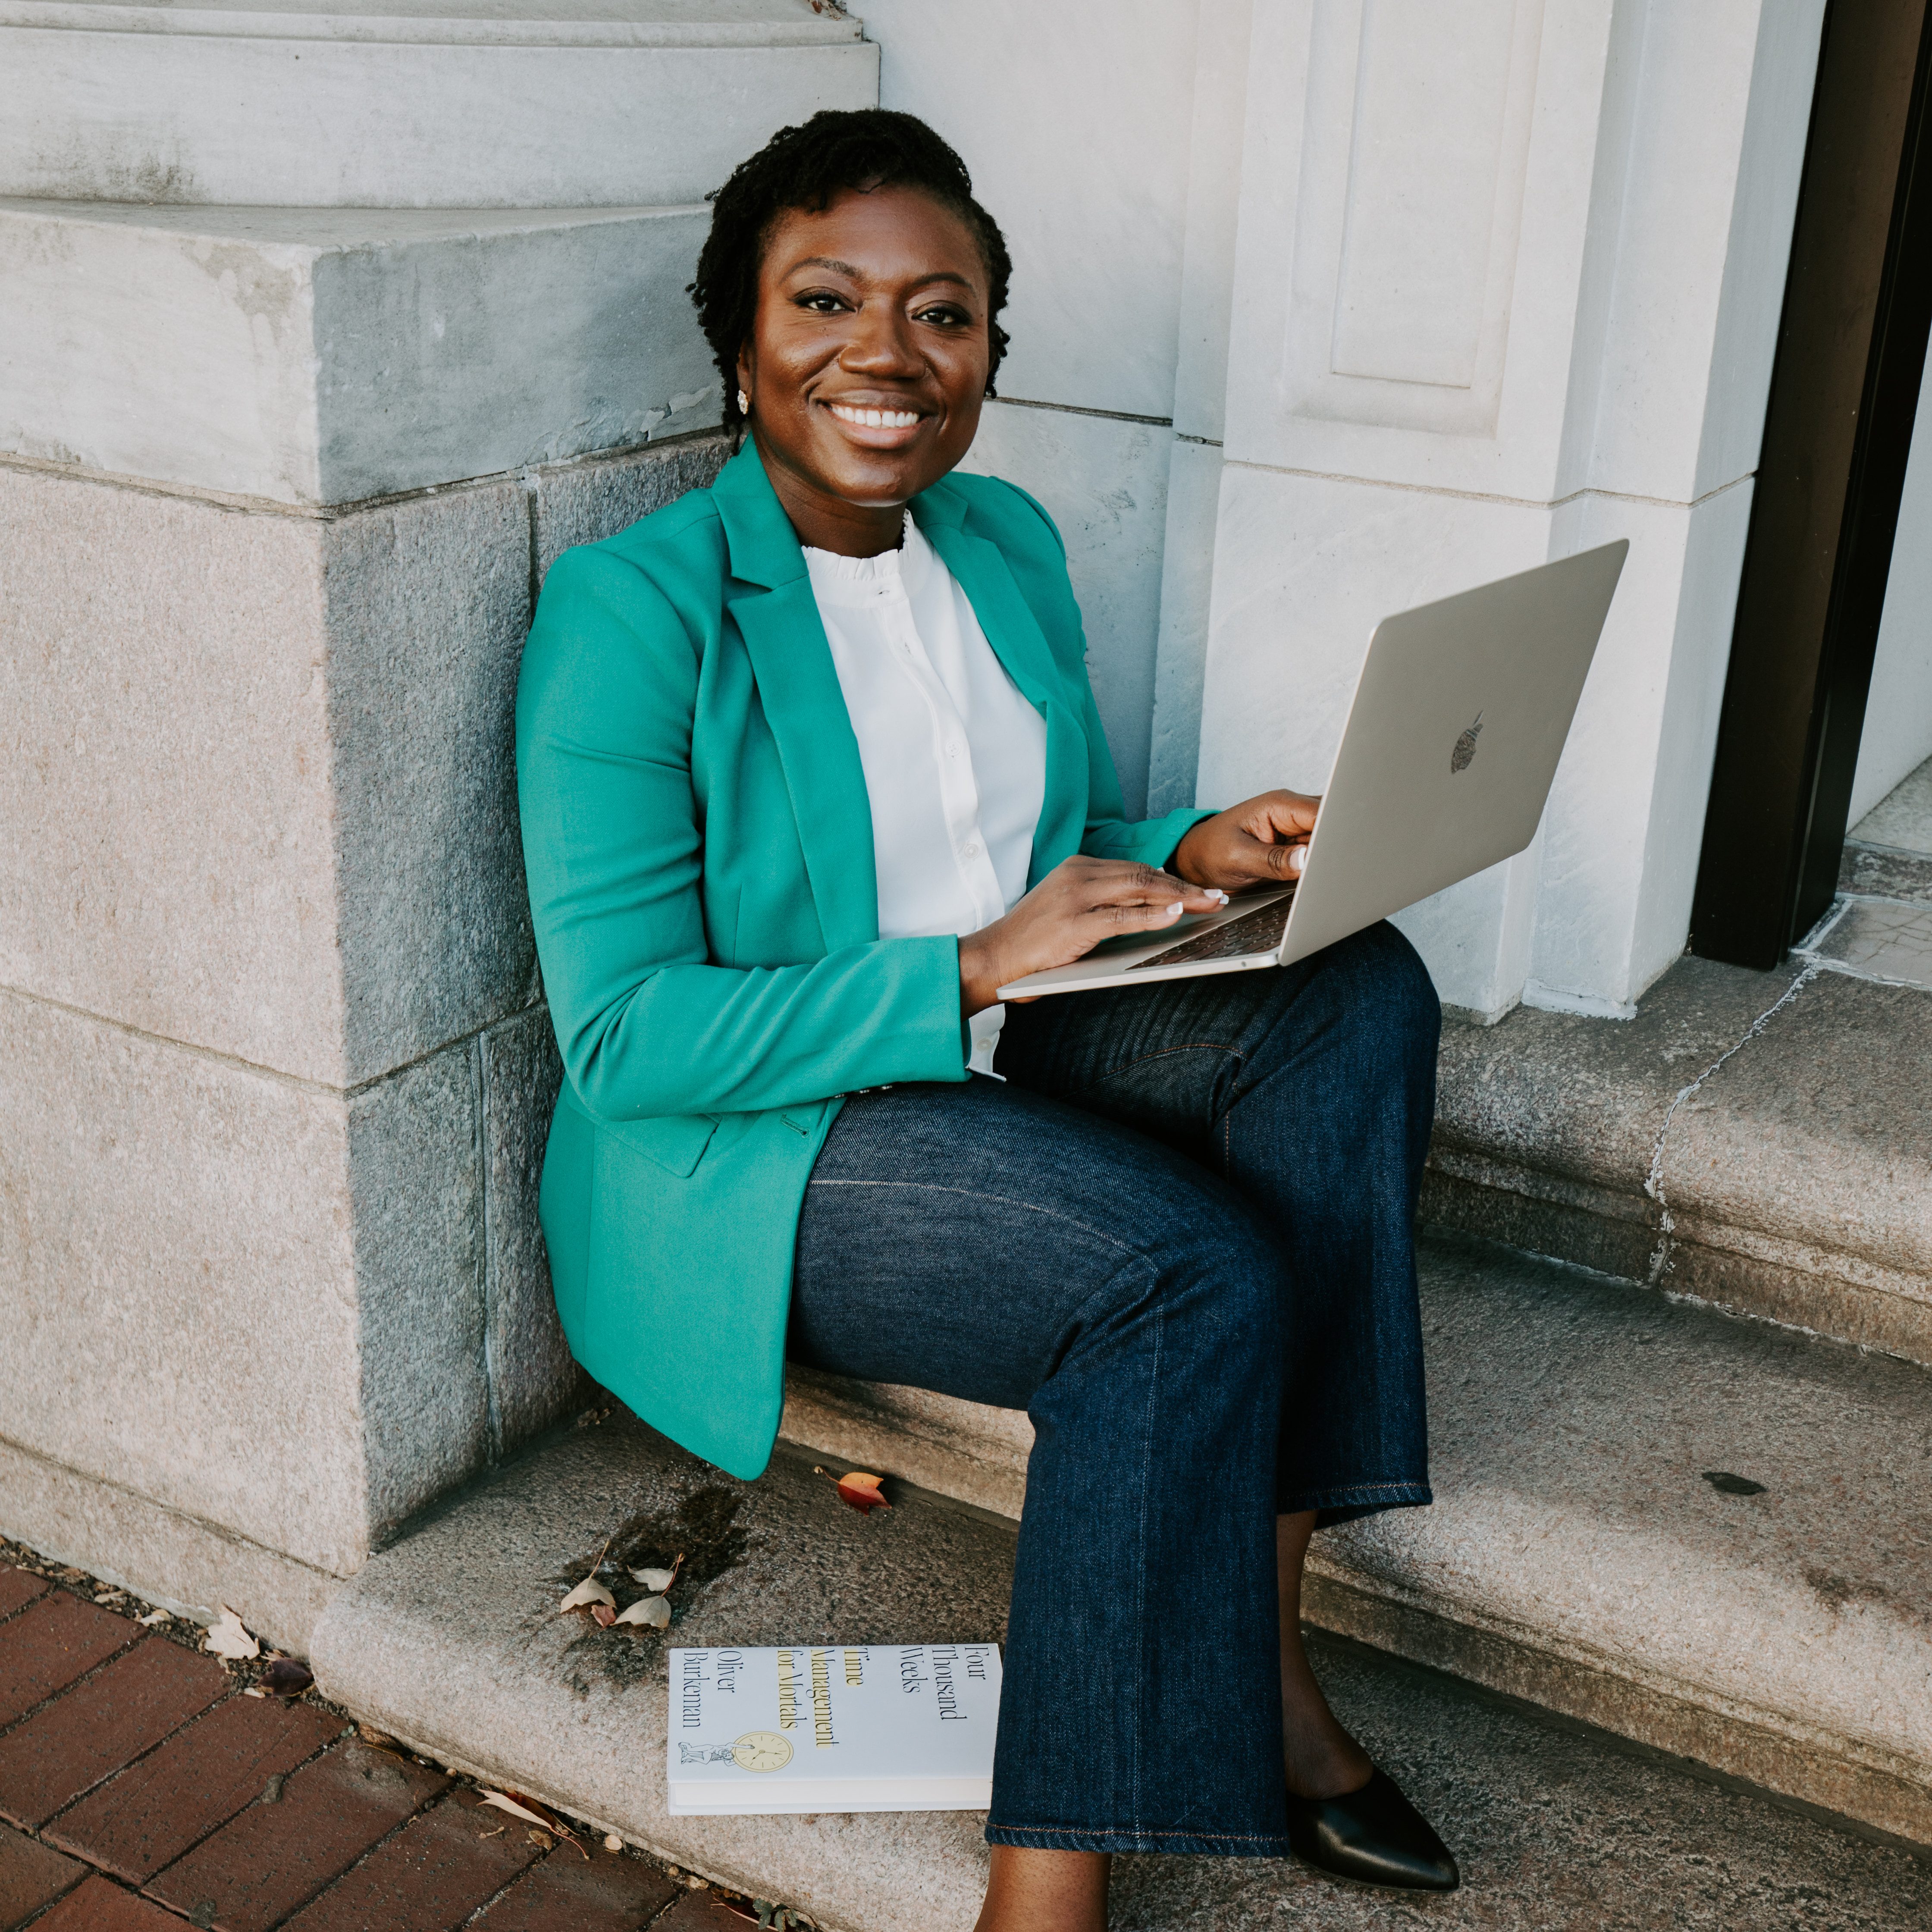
(878, 346)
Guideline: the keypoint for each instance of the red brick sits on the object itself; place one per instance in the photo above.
(271, 1859)
(101, 1906)
(49, 1644)
(18, 1587)
(135, 1824)
(436, 1871)
(30, 1875)
(95, 1729)
(696, 1911)
(606, 1893)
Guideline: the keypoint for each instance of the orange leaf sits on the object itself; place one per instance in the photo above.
(861, 1489)
(604, 1615)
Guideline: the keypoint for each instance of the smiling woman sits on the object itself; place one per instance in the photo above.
(809, 768)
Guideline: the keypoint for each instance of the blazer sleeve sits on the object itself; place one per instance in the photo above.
(612, 849)
(1109, 833)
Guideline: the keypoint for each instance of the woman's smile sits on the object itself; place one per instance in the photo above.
(874, 426)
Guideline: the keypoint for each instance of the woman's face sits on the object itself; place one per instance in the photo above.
(868, 357)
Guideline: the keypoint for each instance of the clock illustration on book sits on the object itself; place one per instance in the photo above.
(761, 1750)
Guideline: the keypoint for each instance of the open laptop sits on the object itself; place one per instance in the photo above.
(1458, 718)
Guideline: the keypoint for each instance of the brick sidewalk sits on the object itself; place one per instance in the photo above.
(142, 1789)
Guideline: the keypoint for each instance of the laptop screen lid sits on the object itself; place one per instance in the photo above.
(1459, 717)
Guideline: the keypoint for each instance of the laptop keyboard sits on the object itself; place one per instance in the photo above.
(1259, 932)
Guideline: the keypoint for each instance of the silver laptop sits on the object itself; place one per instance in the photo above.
(1458, 718)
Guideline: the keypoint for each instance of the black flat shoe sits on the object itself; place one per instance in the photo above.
(1374, 1835)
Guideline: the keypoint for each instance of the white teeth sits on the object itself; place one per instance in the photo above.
(875, 418)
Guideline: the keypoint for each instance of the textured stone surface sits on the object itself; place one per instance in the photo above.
(416, 1186)
(327, 356)
(183, 1563)
(256, 770)
(585, 502)
(165, 774)
(258, 1305)
(434, 106)
(533, 1378)
(177, 1237)
(451, 1641)
(426, 605)
(1794, 1177)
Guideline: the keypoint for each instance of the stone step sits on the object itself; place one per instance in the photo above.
(319, 356)
(1557, 1828)
(1578, 1557)
(434, 103)
(1759, 1141)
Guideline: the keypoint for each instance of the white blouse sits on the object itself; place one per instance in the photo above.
(955, 758)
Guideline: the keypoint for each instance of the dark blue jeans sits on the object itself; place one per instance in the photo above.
(1181, 1237)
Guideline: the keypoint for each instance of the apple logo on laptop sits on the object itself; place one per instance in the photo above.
(1460, 757)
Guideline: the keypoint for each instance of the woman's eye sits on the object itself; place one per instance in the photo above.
(821, 301)
(943, 316)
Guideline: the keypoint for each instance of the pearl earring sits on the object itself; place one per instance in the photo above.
(744, 403)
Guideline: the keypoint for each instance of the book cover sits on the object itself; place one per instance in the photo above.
(858, 1727)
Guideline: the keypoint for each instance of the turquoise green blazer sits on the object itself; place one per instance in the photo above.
(699, 846)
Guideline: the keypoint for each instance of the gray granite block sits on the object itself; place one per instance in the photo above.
(585, 502)
(451, 1641)
(426, 603)
(533, 1379)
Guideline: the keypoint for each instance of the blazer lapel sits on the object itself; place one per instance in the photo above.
(1020, 645)
(771, 602)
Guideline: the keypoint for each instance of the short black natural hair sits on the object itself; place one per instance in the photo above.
(805, 167)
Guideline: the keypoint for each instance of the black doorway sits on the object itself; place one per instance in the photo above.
(1844, 390)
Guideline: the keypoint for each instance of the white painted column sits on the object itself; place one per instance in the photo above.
(1507, 283)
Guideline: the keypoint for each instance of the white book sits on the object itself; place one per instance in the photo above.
(857, 1727)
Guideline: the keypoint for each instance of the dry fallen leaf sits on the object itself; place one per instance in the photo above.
(517, 1808)
(657, 1581)
(287, 1678)
(370, 1735)
(860, 1488)
(612, 1842)
(588, 1591)
(153, 1618)
(229, 1637)
(651, 1610)
(604, 1614)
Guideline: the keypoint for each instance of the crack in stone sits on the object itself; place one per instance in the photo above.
(1653, 1183)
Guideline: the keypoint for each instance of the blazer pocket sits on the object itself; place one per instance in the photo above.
(675, 1141)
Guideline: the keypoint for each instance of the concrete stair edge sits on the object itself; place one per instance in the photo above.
(1746, 1140)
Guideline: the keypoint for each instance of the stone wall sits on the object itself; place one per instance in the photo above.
(273, 1060)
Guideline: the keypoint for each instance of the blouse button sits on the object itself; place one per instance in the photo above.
(970, 849)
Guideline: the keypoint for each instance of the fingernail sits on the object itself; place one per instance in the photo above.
(1172, 911)
(1215, 894)
(1298, 859)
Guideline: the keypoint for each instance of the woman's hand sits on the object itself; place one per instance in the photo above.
(1079, 903)
(1262, 842)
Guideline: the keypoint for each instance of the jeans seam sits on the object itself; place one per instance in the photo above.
(1004, 1200)
(1140, 1593)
